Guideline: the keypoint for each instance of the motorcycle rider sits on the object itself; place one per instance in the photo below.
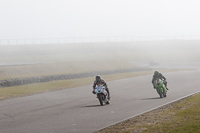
(99, 81)
(158, 75)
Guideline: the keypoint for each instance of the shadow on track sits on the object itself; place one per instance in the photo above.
(151, 98)
(90, 106)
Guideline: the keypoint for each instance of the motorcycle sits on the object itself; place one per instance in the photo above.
(160, 87)
(102, 95)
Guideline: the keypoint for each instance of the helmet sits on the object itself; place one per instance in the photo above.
(98, 78)
(156, 72)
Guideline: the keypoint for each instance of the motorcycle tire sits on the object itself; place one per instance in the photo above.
(160, 93)
(100, 97)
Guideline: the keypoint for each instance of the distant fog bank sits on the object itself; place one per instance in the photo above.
(169, 51)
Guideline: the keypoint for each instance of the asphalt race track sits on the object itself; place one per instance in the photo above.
(77, 110)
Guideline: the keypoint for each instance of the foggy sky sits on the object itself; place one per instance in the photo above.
(21, 19)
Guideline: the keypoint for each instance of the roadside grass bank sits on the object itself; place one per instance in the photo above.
(17, 75)
(182, 116)
(48, 69)
(30, 89)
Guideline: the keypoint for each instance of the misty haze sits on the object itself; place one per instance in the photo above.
(83, 66)
(137, 51)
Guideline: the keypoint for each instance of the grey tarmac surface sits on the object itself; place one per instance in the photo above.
(77, 110)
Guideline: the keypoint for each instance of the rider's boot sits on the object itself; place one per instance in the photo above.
(166, 85)
(108, 97)
(108, 93)
(167, 88)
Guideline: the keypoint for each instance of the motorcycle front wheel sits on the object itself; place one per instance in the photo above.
(100, 97)
(160, 93)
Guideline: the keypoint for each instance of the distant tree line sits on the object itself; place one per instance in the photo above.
(30, 80)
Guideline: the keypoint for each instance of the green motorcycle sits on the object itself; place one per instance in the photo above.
(160, 87)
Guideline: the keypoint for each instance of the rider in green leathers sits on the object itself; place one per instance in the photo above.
(158, 75)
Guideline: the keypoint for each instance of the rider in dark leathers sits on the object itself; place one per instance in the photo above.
(158, 75)
(99, 81)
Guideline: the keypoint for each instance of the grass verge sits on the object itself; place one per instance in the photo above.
(182, 116)
(48, 69)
